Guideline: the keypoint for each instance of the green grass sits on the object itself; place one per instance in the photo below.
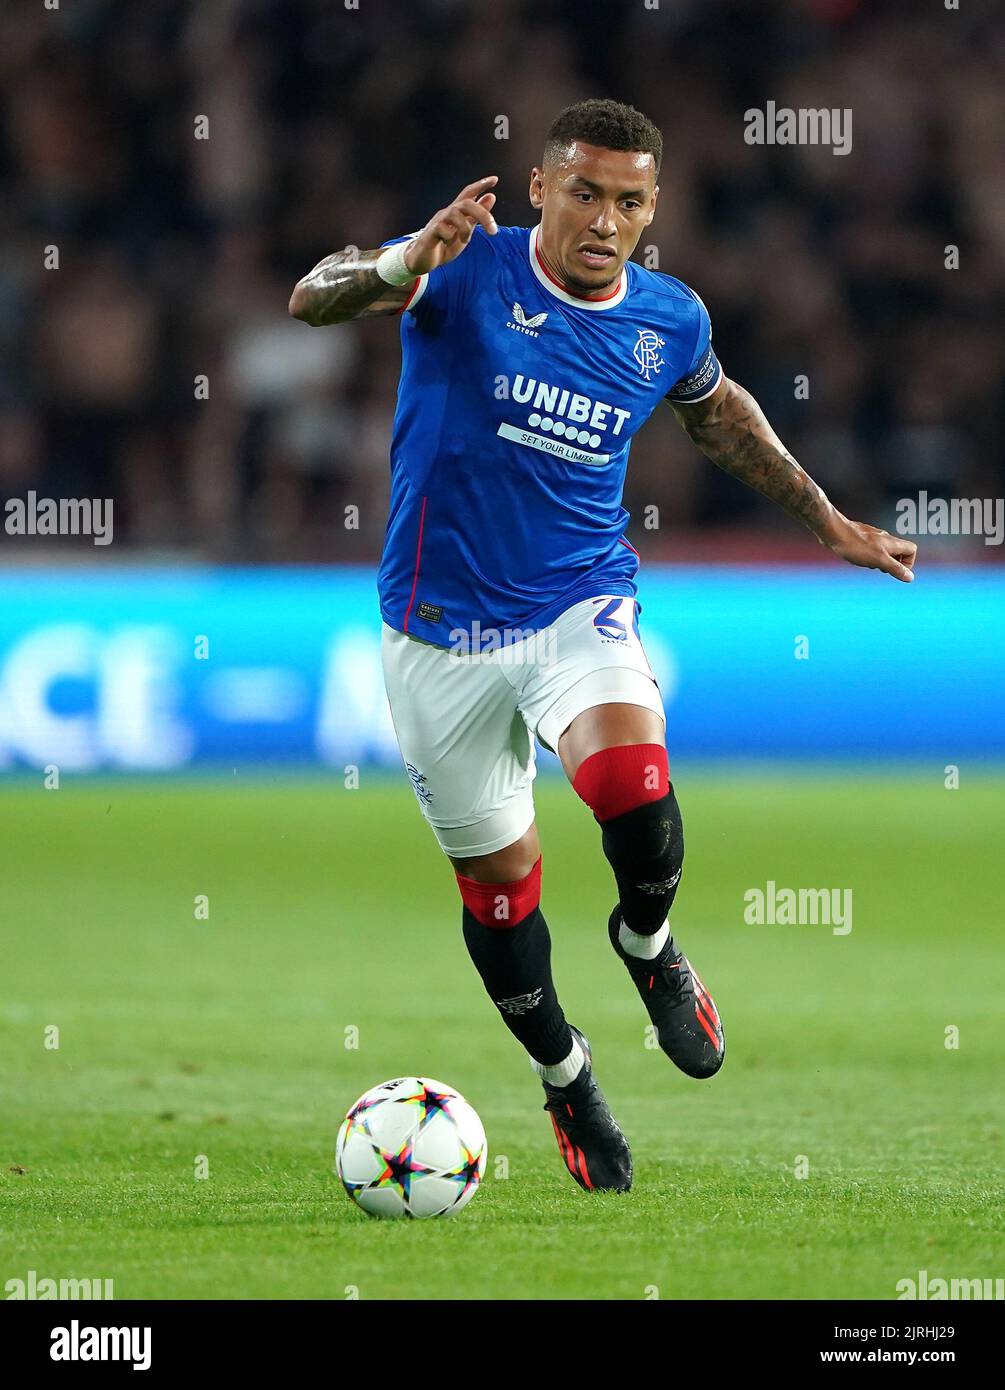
(332, 909)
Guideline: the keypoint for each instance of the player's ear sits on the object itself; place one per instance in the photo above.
(536, 191)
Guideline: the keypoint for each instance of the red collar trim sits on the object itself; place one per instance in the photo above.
(587, 298)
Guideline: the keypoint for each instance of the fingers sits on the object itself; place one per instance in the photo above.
(445, 227)
(900, 555)
(875, 549)
(453, 226)
(477, 201)
(458, 221)
(478, 212)
(476, 189)
(889, 564)
(898, 570)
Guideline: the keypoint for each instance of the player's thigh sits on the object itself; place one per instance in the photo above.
(608, 725)
(507, 865)
(592, 686)
(465, 745)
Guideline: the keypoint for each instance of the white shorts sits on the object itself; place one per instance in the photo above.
(466, 723)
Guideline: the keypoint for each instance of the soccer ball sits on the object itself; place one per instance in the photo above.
(411, 1147)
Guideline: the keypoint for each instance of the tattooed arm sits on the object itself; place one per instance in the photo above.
(346, 285)
(730, 428)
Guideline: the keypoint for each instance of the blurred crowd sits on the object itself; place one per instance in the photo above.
(145, 349)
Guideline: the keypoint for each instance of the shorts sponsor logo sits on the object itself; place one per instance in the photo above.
(606, 622)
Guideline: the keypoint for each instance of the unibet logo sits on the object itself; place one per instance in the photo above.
(556, 403)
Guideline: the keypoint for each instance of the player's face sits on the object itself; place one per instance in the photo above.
(594, 204)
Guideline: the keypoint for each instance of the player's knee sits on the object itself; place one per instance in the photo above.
(645, 847)
(630, 794)
(514, 861)
(618, 780)
(501, 904)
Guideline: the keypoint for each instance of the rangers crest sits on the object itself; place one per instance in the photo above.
(647, 351)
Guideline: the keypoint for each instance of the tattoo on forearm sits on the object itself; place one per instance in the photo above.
(345, 285)
(736, 436)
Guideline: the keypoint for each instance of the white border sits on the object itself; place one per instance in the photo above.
(572, 299)
(423, 282)
(693, 400)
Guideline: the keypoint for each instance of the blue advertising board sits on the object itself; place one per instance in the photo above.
(164, 670)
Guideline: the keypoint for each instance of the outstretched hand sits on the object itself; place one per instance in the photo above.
(862, 544)
(448, 231)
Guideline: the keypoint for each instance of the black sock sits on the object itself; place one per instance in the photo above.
(645, 848)
(515, 966)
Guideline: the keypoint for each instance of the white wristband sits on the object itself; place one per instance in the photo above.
(391, 265)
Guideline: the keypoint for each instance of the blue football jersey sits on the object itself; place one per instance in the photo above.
(516, 410)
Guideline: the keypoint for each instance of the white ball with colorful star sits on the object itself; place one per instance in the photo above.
(411, 1147)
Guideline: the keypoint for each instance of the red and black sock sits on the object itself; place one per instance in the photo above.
(508, 940)
(629, 791)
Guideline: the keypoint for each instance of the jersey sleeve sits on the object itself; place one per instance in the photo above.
(704, 372)
(443, 290)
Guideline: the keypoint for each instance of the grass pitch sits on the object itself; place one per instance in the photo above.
(332, 911)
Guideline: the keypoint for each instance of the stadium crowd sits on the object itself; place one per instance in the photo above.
(145, 349)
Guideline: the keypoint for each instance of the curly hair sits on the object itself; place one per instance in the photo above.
(610, 124)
